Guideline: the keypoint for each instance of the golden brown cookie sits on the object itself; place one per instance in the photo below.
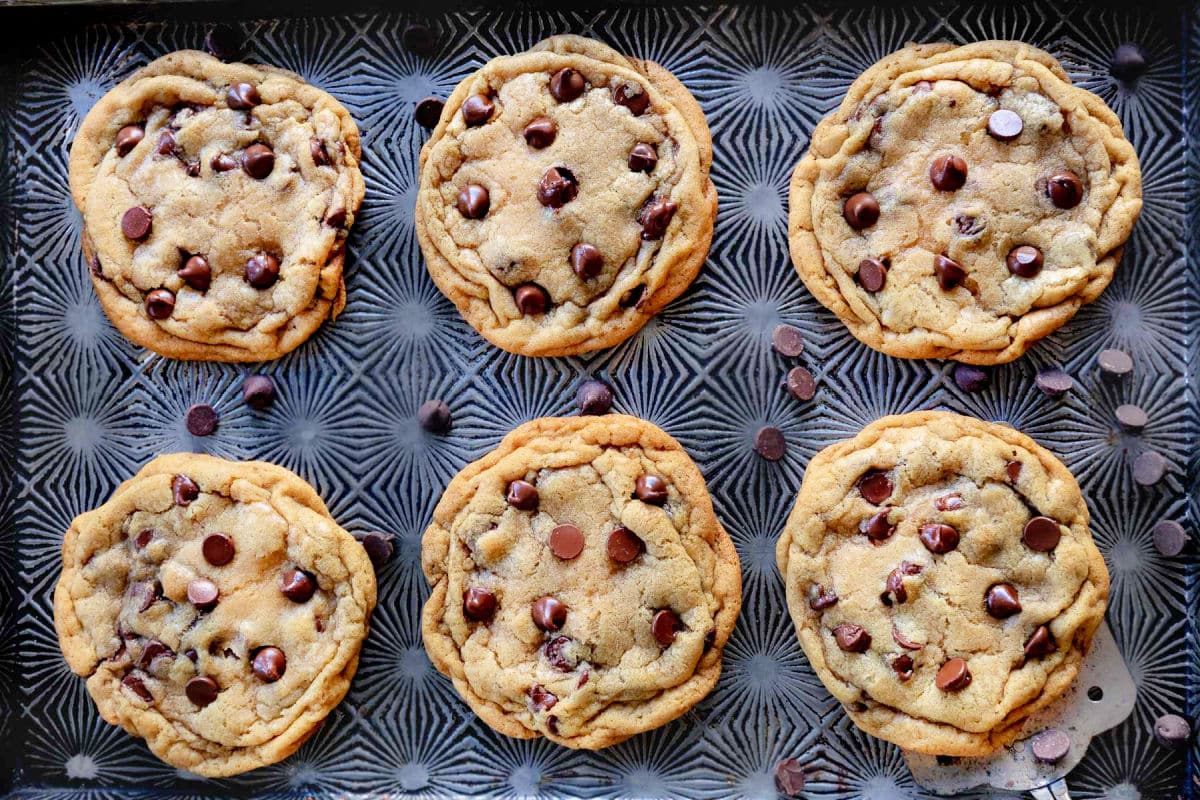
(564, 197)
(582, 586)
(942, 580)
(216, 201)
(963, 202)
(216, 610)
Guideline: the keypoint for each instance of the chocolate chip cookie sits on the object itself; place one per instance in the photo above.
(942, 579)
(216, 201)
(963, 202)
(216, 610)
(564, 197)
(582, 586)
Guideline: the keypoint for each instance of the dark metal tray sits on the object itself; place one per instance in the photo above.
(80, 408)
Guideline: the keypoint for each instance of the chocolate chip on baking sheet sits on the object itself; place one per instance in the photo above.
(419, 38)
(594, 397)
(1169, 538)
(1172, 730)
(801, 384)
(201, 419)
(787, 340)
(427, 112)
(223, 42)
(434, 416)
(1128, 62)
(971, 378)
(258, 391)
(1053, 382)
(1131, 418)
(770, 443)
(789, 777)
(380, 547)
(1149, 468)
(1114, 364)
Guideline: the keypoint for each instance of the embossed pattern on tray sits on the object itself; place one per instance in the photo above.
(81, 409)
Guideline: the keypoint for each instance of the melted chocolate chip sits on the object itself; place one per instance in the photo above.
(522, 495)
(541, 698)
(473, 201)
(664, 626)
(262, 270)
(567, 84)
(557, 187)
(297, 585)
(136, 223)
(1041, 534)
(128, 138)
(184, 490)
(218, 549)
(478, 604)
(269, 664)
(875, 487)
(549, 613)
(242, 96)
(902, 665)
(877, 526)
(948, 173)
(953, 676)
(531, 299)
(819, 599)
(871, 274)
(938, 538)
(631, 95)
(643, 158)
(852, 638)
(566, 541)
(586, 261)
(651, 489)
(540, 133)
(477, 109)
(558, 653)
(201, 690)
(656, 217)
(160, 303)
(202, 593)
(949, 502)
(1040, 643)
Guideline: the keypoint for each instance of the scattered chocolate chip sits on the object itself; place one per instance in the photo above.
(473, 201)
(1041, 534)
(540, 133)
(969, 225)
(567, 84)
(541, 698)
(948, 173)
(819, 599)
(594, 397)
(953, 676)
(1172, 730)
(184, 490)
(902, 665)
(136, 223)
(624, 545)
(522, 495)
(789, 777)
(336, 217)
(643, 158)
(651, 489)
(128, 138)
(192, 169)
(549, 613)
(218, 549)
(478, 604)
(196, 273)
(1054, 382)
(95, 267)
(557, 187)
(971, 378)
(632, 297)
(1132, 418)
(871, 274)
(664, 626)
(586, 261)
(1169, 538)
(269, 664)
(531, 299)
(143, 538)
(801, 384)
(1013, 470)
(1064, 189)
(1040, 643)
(427, 112)
(258, 160)
(166, 143)
(1001, 601)
(153, 650)
(902, 640)
(223, 162)
(262, 270)
(1149, 468)
(202, 593)
(477, 109)
(191, 655)
(558, 655)
(769, 443)
(1114, 364)
(948, 271)
(1050, 746)
(631, 95)
(1005, 125)
(787, 340)
(223, 42)
(656, 217)
(852, 638)
(861, 210)
(938, 537)
(201, 690)
(242, 96)
(877, 526)
(143, 594)
(380, 547)
(160, 303)
(419, 39)
(1128, 62)
(875, 487)
(894, 586)
(320, 153)
(136, 685)
(258, 391)
(566, 541)
(201, 420)
(434, 416)
(1024, 261)
(297, 585)
(949, 502)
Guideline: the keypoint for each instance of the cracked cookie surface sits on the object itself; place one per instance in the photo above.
(942, 580)
(216, 610)
(216, 201)
(565, 197)
(583, 588)
(963, 202)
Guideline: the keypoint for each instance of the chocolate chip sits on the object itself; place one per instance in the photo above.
(1132, 418)
(971, 378)
(1001, 601)
(269, 664)
(1054, 382)
(566, 541)
(938, 537)
(136, 685)
(1041, 534)
(297, 585)
(434, 416)
(136, 223)
(419, 39)
(558, 654)
(201, 690)
(128, 138)
(787, 340)
(549, 613)
(633, 297)
(769, 443)
(624, 545)
(948, 271)
(894, 586)
(631, 95)
(478, 604)
(95, 267)
(875, 487)
(531, 299)
(336, 217)
(223, 162)
(541, 698)
(948, 173)
(1050, 746)
(1169, 538)
(196, 273)
(1149, 468)
(861, 210)
(380, 547)
(522, 495)
(567, 84)
(262, 270)
(1172, 730)
(477, 109)
(427, 112)
(1040, 643)
(969, 225)
(586, 261)
(320, 154)
(953, 676)
(143, 538)
(1114, 364)
(540, 133)
(801, 384)
(223, 42)
(1005, 125)
(143, 595)
(202, 593)
(166, 143)
(160, 303)
(819, 599)
(258, 391)
(871, 274)
(557, 187)
(877, 526)
(1013, 470)
(651, 489)
(1024, 261)
(902, 665)
(191, 655)
(1128, 62)
(1064, 189)
(218, 549)
(656, 217)
(902, 640)
(242, 96)
(949, 502)
(852, 638)
(594, 397)
(664, 626)
(643, 158)
(201, 420)
(184, 490)
(473, 201)
(258, 160)
(789, 777)
(153, 650)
